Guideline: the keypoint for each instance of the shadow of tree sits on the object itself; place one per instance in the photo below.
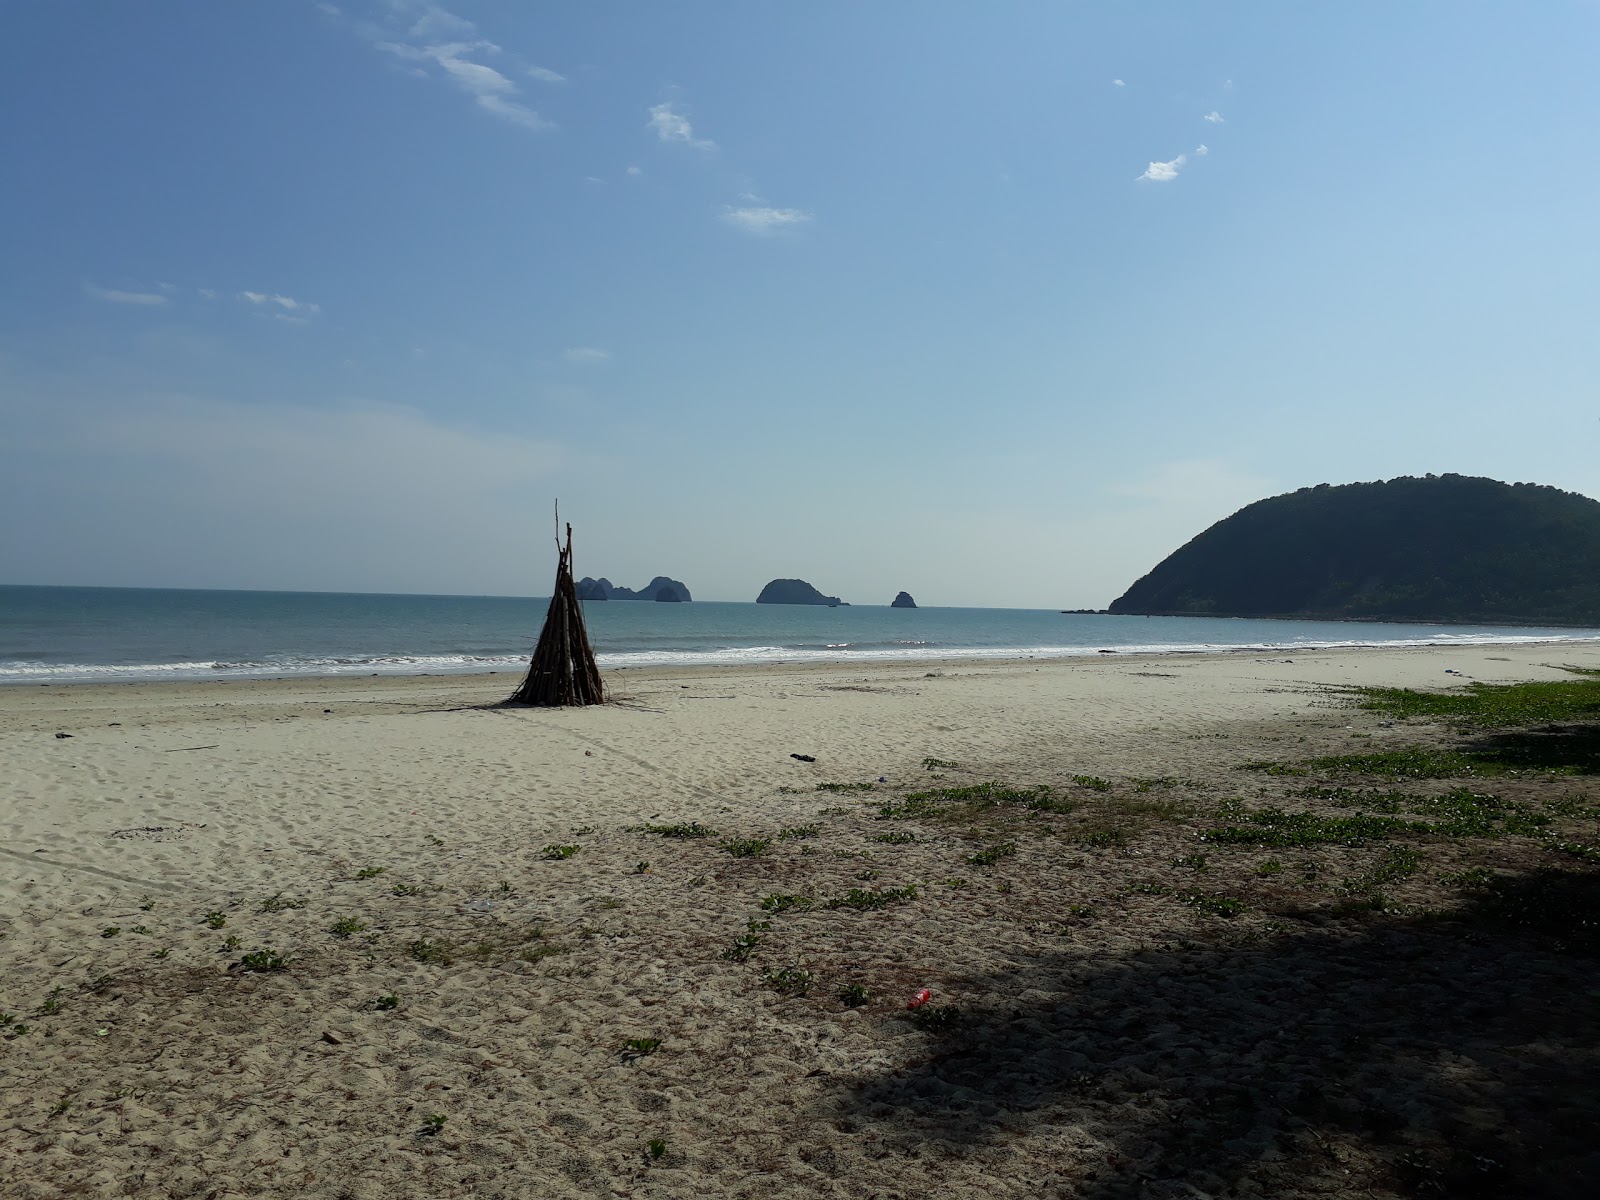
(1451, 1057)
(1570, 749)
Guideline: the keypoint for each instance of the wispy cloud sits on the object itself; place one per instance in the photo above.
(1118, 83)
(764, 221)
(672, 126)
(114, 296)
(489, 89)
(586, 355)
(441, 45)
(635, 171)
(1202, 150)
(1165, 172)
(284, 308)
(1214, 117)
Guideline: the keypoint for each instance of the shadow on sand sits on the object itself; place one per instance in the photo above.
(1393, 1056)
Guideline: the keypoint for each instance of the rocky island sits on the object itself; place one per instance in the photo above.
(660, 588)
(903, 600)
(1436, 548)
(794, 591)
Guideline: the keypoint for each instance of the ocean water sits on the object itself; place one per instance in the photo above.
(70, 635)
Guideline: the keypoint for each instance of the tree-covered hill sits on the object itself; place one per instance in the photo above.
(1440, 548)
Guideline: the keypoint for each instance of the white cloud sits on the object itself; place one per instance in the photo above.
(1118, 83)
(635, 171)
(765, 221)
(442, 45)
(672, 126)
(489, 89)
(297, 312)
(1165, 172)
(1202, 150)
(1214, 117)
(586, 355)
(145, 299)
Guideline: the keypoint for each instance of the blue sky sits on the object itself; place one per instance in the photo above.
(995, 303)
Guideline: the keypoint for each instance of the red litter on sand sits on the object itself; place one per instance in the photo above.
(921, 998)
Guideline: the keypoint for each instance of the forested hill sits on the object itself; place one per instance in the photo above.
(1442, 548)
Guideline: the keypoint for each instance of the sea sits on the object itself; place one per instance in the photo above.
(83, 635)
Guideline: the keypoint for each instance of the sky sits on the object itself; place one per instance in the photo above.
(997, 304)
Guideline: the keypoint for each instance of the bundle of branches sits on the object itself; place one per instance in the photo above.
(562, 672)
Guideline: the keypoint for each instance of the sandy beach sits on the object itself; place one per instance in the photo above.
(462, 925)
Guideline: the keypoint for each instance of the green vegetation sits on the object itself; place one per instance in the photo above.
(744, 847)
(370, 872)
(896, 839)
(1093, 782)
(845, 787)
(655, 1148)
(965, 803)
(347, 926)
(790, 981)
(385, 1003)
(940, 764)
(559, 852)
(640, 1046)
(687, 829)
(278, 902)
(263, 960)
(1449, 547)
(796, 832)
(215, 920)
(992, 854)
(1492, 704)
(853, 995)
(860, 898)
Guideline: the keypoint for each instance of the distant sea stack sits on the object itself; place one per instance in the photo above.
(793, 591)
(903, 600)
(1436, 548)
(660, 588)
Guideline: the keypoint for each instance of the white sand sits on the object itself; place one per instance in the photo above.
(171, 801)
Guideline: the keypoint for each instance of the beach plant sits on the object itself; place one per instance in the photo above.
(139, 929)
(957, 882)
(1472, 877)
(1271, 867)
(789, 981)
(161, 953)
(543, 951)
(743, 947)
(387, 1002)
(897, 838)
(936, 1018)
(683, 829)
(346, 926)
(146, 904)
(263, 960)
(940, 764)
(111, 931)
(846, 787)
(1149, 889)
(778, 902)
(1103, 839)
(408, 889)
(1268, 767)
(62, 1105)
(641, 868)
(1003, 887)
(1093, 783)
(1491, 704)
(433, 1123)
(559, 852)
(853, 995)
(796, 832)
(1216, 905)
(370, 872)
(100, 983)
(50, 1005)
(1151, 783)
(864, 900)
(581, 830)
(231, 943)
(990, 855)
(1082, 911)
(214, 919)
(655, 1148)
(640, 1046)
(1197, 863)
(744, 847)
(429, 950)
(278, 902)
(434, 841)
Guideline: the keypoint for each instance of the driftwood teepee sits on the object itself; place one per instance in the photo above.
(562, 672)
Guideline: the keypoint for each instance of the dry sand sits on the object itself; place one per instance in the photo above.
(1108, 1042)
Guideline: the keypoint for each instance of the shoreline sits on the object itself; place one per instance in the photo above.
(977, 656)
